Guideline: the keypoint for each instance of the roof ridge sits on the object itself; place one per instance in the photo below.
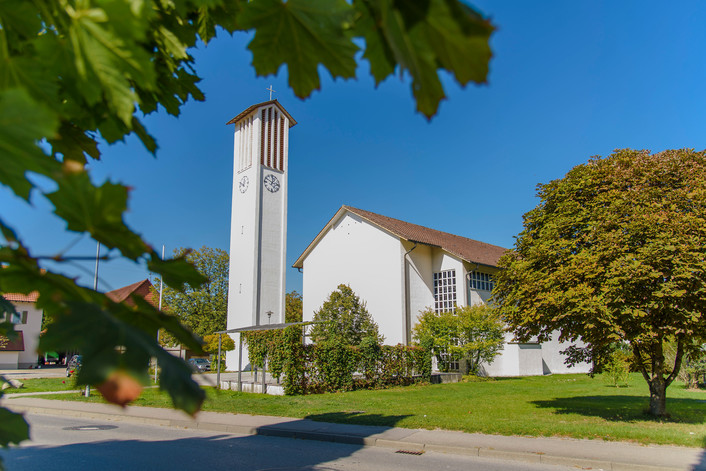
(357, 210)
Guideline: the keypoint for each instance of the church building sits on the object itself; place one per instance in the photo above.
(400, 269)
(397, 268)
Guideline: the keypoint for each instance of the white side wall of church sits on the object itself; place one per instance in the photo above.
(361, 255)
(421, 283)
(554, 359)
(507, 363)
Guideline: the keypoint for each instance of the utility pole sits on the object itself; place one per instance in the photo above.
(95, 288)
(161, 286)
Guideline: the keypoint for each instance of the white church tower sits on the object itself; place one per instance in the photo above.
(258, 231)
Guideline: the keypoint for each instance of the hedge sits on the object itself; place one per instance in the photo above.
(332, 366)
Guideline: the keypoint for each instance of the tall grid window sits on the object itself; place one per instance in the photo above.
(481, 281)
(445, 291)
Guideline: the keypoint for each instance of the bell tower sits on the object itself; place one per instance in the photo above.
(258, 231)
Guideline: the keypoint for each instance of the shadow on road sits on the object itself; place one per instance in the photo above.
(267, 451)
(214, 452)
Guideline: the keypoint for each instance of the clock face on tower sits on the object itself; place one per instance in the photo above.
(243, 185)
(271, 183)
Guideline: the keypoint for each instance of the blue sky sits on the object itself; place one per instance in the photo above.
(568, 80)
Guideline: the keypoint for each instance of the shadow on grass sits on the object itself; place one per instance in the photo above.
(627, 408)
(358, 418)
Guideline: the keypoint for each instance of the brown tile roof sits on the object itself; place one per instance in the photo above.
(470, 250)
(141, 288)
(17, 345)
(252, 108)
(23, 298)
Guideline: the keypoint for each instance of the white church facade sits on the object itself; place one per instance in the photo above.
(400, 269)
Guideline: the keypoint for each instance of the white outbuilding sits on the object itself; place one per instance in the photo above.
(400, 269)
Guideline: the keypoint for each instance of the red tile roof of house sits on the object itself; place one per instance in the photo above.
(16, 345)
(23, 298)
(141, 288)
(466, 249)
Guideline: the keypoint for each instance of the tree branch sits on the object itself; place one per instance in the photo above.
(677, 361)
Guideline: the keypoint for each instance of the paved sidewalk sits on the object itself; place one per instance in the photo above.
(586, 454)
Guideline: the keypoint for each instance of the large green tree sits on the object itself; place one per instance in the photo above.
(203, 309)
(615, 252)
(344, 319)
(74, 73)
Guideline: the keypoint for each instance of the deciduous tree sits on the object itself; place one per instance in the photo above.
(615, 252)
(345, 319)
(473, 334)
(211, 346)
(293, 309)
(204, 308)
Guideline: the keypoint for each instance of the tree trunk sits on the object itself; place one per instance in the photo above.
(658, 396)
(655, 376)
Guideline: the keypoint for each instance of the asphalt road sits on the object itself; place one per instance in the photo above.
(60, 443)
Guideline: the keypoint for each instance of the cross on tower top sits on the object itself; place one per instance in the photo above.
(271, 90)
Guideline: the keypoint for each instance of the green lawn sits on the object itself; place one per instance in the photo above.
(44, 384)
(561, 405)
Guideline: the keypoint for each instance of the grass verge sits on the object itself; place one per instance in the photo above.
(562, 405)
(43, 385)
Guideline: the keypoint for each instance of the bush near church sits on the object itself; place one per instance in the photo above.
(329, 366)
(470, 333)
(345, 319)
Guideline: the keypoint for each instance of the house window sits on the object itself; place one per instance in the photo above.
(481, 281)
(445, 291)
(18, 318)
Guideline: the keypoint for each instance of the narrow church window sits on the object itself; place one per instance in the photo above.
(445, 291)
(481, 281)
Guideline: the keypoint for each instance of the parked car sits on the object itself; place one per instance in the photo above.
(199, 365)
(74, 365)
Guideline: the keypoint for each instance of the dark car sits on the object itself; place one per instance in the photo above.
(74, 365)
(199, 365)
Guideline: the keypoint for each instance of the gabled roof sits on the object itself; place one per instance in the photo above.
(252, 108)
(22, 298)
(470, 250)
(141, 289)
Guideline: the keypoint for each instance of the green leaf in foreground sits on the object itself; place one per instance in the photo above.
(176, 272)
(97, 210)
(301, 34)
(23, 123)
(421, 38)
(13, 429)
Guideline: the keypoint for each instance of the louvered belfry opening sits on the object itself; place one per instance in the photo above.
(244, 133)
(272, 138)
